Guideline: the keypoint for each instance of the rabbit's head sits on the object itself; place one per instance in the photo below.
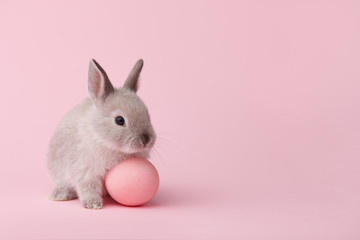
(120, 119)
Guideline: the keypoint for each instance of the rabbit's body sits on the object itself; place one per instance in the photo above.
(88, 141)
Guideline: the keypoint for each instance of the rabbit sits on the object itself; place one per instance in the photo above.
(112, 124)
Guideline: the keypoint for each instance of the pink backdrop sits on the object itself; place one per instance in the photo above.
(256, 103)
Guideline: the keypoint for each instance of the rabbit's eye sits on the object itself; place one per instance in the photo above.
(119, 120)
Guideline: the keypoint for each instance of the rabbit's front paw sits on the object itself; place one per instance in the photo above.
(93, 202)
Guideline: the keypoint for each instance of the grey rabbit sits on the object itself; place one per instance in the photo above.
(111, 125)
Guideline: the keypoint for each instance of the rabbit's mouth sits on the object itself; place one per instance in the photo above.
(138, 146)
(132, 150)
(142, 148)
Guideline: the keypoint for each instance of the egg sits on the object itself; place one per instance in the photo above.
(133, 182)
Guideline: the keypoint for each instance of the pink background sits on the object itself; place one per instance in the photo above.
(257, 105)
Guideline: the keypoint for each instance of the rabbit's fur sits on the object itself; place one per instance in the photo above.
(88, 141)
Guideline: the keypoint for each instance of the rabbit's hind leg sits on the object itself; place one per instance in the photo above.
(63, 193)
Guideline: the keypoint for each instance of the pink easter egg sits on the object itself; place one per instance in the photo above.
(132, 182)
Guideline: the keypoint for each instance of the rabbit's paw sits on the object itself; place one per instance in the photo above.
(63, 194)
(94, 202)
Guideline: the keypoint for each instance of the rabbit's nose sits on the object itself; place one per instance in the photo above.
(145, 138)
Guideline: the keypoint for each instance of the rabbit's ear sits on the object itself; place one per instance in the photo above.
(132, 80)
(99, 84)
